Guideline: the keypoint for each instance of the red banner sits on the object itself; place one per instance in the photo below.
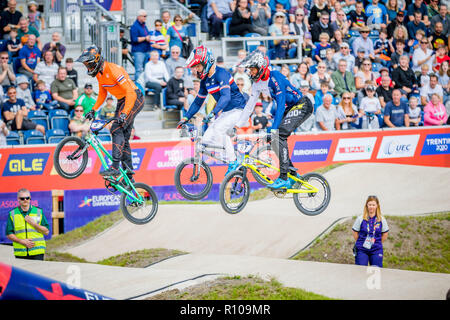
(155, 162)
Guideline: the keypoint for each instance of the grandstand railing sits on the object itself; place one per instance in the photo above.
(230, 49)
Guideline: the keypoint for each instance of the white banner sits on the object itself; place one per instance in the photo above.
(354, 149)
(398, 146)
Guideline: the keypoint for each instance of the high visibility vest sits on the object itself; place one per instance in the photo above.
(24, 230)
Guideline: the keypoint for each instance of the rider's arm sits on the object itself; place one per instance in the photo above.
(250, 105)
(197, 103)
(224, 100)
(101, 98)
(280, 97)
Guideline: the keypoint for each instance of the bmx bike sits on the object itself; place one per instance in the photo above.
(311, 192)
(193, 176)
(138, 202)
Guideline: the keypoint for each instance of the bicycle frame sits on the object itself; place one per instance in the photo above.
(249, 162)
(101, 152)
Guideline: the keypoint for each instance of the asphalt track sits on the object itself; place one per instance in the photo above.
(259, 240)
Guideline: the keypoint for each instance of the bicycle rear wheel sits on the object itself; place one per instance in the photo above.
(267, 155)
(312, 204)
(193, 179)
(139, 213)
(68, 160)
(234, 192)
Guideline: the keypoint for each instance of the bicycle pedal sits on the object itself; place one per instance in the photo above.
(279, 193)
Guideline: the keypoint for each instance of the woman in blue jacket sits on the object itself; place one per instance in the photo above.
(370, 231)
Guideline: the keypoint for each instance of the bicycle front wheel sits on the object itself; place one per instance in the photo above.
(70, 157)
(313, 204)
(234, 192)
(193, 179)
(267, 155)
(139, 212)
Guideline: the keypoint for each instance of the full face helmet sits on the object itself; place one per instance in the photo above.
(92, 59)
(257, 60)
(201, 55)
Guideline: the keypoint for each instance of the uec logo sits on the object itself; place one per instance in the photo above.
(25, 164)
(394, 148)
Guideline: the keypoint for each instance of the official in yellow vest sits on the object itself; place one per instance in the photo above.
(26, 228)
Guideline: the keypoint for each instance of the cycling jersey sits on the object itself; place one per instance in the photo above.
(280, 89)
(223, 89)
(115, 80)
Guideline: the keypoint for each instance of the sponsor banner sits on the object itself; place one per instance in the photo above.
(9, 201)
(436, 144)
(136, 157)
(354, 149)
(83, 206)
(308, 151)
(30, 164)
(169, 157)
(398, 146)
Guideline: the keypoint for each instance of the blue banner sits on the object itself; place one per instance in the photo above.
(436, 144)
(309, 151)
(83, 206)
(8, 201)
(27, 164)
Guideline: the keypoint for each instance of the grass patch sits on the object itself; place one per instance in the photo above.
(239, 288)
(417, 243)
(140, 258)
(63, 257)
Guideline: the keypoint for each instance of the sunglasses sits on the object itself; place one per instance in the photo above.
(24, 198)
(178, 20)
(424, 42)
(364, 31)
(158, 25)
(78, 110)
(346, 98)
(4, 58)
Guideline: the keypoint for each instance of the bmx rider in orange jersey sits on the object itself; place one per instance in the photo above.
(115, 80)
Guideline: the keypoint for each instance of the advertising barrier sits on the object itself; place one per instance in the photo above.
(155, 162)
(19, 284)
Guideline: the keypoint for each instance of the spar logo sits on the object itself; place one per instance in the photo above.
(398, 146)
(30, 164)
(354, 149)
(436, 144)
(310, 151)
(107, 200)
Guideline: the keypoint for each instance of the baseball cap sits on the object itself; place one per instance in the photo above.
(21, 79)
(278, 13)
(364, 29)
(361, 50)
(258, 104)
(32, 2)
(88, 85)
(344, 45)
(219, 59)
(370, 88)
(400, 13)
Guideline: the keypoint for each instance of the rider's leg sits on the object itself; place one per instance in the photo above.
(295, 117)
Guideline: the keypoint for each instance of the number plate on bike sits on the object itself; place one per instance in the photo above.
(244, 146)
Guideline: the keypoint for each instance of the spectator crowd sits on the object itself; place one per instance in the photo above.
(368, 64)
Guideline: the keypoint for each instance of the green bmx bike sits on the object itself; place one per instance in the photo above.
(138, 202)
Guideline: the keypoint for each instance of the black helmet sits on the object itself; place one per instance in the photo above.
(92, 59)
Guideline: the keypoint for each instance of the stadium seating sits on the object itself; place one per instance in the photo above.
(13, 138)
(33, 137)
(39, 117)
(164, 101)
(252, 45)
(59, 119)
(54, 135)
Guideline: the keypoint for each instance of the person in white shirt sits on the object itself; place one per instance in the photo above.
(156, 75)
(46, 70)
(326, 115)
(422, 55)
(428, 90)
(371, 105)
